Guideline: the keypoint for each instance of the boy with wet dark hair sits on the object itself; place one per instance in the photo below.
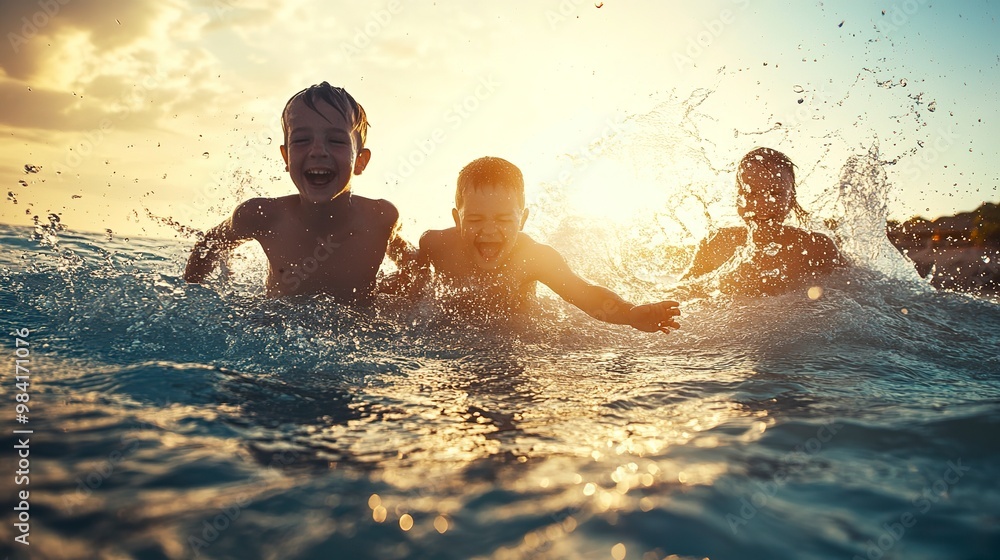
(324, 239)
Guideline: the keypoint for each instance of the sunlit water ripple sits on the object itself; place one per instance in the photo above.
(174, 420)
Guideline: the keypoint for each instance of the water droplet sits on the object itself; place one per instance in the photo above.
(205, 155)
(798, 89)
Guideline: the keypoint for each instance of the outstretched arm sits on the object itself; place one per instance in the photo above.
(221, 239)
(599, 302)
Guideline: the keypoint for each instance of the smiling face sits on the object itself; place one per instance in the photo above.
(767, 191)
(489, 221)
(321, 151)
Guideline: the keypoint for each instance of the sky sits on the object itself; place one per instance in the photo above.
(157, 118)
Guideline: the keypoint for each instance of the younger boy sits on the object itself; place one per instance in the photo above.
(488, 260)
(324, 239)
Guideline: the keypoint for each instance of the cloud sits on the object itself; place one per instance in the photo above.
(79, 63)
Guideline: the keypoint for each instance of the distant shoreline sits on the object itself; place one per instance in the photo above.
(959, 252)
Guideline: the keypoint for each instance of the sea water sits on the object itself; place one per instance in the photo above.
(857, 418)
(178, 421)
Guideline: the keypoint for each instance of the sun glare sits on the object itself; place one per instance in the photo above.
(610, 190)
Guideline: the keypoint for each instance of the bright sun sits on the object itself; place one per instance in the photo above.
(610, 190)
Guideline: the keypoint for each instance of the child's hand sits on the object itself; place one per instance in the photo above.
(654, 316)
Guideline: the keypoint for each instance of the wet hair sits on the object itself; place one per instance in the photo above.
(339, 99)
(489, 171)
(780, 163)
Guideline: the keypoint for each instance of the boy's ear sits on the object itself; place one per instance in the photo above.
(458, 219)
(284, 155)
(524, 218)
(361, 161)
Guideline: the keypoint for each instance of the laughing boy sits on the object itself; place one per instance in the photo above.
(491, 265)
(323, 239)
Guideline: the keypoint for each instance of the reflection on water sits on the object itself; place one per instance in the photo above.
(174, 421)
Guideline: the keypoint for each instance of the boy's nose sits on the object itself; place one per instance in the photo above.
(318, 149)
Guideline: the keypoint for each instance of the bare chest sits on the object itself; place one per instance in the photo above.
(342, 261)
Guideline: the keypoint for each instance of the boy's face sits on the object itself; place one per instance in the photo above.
(765, 195)
(489, 221)
(320, 152)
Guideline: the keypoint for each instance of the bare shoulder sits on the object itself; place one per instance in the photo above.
(821, 249)
(538, 258)
(382, 211)
(256, 215)
(532, 250)
(434, 241)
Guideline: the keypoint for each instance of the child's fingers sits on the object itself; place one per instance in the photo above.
(668, 308)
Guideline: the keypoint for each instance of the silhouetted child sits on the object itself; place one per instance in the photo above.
(767, 256)
(491, 265)
(324, 239)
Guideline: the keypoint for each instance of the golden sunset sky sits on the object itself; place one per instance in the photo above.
(170, 108)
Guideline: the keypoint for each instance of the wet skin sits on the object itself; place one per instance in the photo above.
(780, 257)
(487, 264)
(324, 239)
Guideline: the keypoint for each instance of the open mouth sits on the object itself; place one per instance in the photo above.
(318, 177)
(489, 250)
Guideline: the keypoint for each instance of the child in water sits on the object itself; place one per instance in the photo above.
(491, 266)
(323, 239)
(773, 257)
